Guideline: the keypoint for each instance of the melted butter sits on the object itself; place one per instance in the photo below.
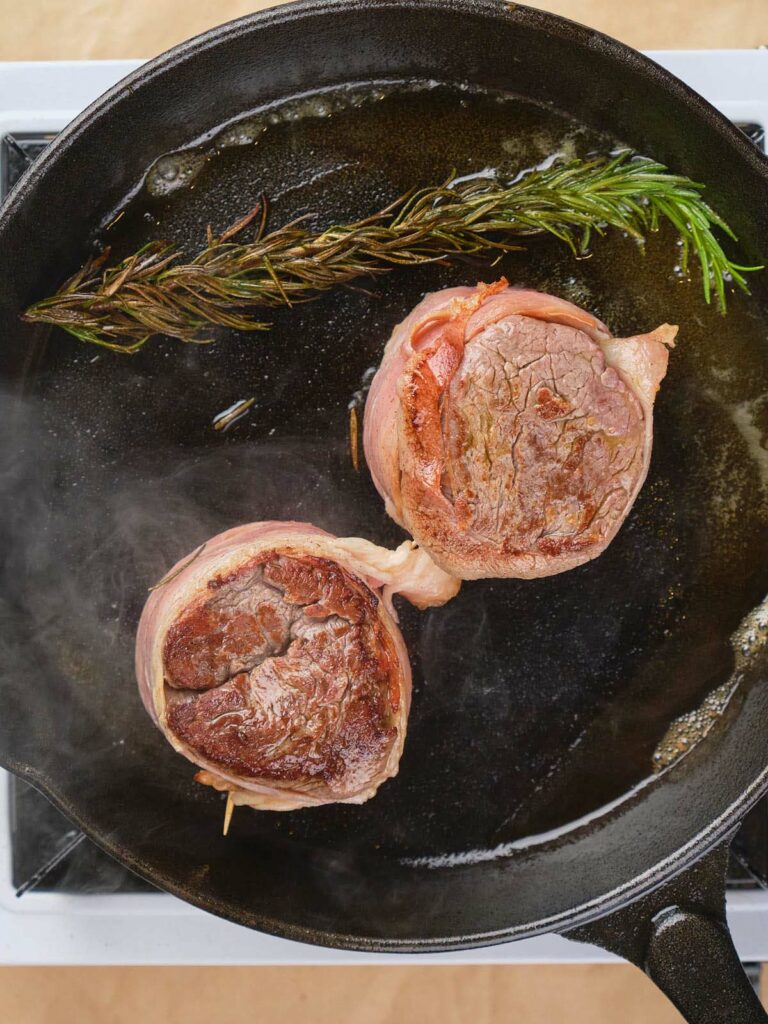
(178, 170)
(744, 417)
(748, 641)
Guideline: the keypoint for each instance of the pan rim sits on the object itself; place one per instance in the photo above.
(658, 874)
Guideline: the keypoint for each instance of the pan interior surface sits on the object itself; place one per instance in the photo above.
(535, 703)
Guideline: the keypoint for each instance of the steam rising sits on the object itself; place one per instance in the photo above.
(85, 536)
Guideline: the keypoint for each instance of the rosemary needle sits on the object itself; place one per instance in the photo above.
(157, 291)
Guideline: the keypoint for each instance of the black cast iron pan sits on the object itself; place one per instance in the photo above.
(529, 797)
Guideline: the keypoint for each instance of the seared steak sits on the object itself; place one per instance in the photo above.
(273, 661)
(508, 432)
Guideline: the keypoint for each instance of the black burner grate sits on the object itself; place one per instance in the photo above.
(50, 855)
(17, 152)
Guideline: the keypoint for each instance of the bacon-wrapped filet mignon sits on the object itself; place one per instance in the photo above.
(508, 432)
(272, 660)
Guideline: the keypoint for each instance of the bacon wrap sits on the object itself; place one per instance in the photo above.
(271, 659)
(508, 432)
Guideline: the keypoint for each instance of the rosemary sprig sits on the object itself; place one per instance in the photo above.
(155, 291)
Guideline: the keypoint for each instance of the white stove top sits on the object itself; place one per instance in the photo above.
(56, 928)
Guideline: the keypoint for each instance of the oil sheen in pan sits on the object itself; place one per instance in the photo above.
(535, 702)
(177, 170)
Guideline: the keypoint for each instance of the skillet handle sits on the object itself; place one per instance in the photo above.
(679, 936)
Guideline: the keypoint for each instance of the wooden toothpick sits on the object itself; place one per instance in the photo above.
(228, 812)
(354, 438)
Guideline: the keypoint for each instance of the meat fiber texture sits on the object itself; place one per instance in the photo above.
(508, 432)
(271, 658)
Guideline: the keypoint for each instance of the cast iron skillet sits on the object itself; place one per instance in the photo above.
(537, 705)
